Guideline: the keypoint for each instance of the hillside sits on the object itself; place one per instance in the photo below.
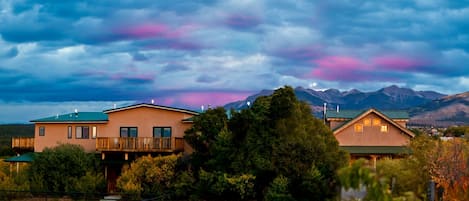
(391, 97)
(425, 107)
(448, 110)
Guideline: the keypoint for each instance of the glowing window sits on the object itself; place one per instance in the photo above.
(367, 122)
(384, 128)
(94, 132)
(358, 128)
(376, 122)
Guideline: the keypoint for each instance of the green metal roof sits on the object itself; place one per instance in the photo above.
(350, 114)
(27, 157)
(375, 149)
(75, 117)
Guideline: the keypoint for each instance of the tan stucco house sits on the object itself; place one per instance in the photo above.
(118, 135)
(371, 133)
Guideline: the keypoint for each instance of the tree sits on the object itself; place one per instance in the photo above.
(276, 136)
(66, 168)
(150, 177)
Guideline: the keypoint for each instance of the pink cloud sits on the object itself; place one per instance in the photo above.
(400, 63)
(196, 99)
(340, 62)
(343, 68)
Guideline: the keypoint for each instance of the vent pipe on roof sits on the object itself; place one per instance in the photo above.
(114, 106)
(57, 116)
(325, 110)
(337, 108)
(202, 108)
(76, 112)
(152, 101)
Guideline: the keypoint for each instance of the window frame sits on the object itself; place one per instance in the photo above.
(367, 122)
(69, 132)
(162, 131)
(42, 131)
(83, 134)
(358, 128)
(129, 129)
(376, 122)
(94, 132)
(385, 130)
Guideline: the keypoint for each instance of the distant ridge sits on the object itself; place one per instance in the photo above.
(442, 112)
(425, 107)
(392, 97)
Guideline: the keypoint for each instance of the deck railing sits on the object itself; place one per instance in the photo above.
(22, 143)
(136, 144)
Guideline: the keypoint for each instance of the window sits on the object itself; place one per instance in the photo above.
(376, 122)
(42, 131)
(384, 128)
(367, 122)
(161, 131)
(129, 132)
(94, 132)
(82, 132)
(358, 128)
(69, 132)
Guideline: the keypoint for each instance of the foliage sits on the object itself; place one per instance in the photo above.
(457, 131)
(276, 136)
(278, 190)
(149, 176)
(218, 184)
(65, 169)
(359, 174)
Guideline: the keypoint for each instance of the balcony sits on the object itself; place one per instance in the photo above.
(140, 144)
(22, 143)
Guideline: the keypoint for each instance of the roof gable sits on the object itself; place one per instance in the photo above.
(75, 117)
(366, 113)
(151, 106)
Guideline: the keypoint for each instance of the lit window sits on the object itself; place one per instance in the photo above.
(358, 128)
(95, 132)
(376, 122)
(42, 131)
(384, 128)
(69, 132)
(367, 122)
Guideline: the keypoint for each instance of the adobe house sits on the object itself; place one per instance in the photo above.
(370, 134)
(117, 135)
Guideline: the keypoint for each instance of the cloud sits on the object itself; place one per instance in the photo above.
(11, 53)
(241, 22)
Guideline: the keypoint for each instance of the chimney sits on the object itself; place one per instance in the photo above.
(325, 110)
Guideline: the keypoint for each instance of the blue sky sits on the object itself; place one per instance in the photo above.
(56, 56)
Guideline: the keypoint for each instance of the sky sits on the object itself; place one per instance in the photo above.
(57, 56)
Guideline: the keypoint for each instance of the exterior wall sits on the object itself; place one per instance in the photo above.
(145, 119)
(57, 133)
(372, 135)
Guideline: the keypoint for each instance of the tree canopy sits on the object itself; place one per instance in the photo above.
(277, 140)
(65, 168)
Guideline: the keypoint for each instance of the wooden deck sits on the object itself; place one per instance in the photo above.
(140, 144)
(22, 143)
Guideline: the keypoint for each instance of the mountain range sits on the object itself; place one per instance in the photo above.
(425, 107)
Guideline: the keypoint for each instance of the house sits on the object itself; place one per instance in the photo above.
(370, 134)
(117, 135)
